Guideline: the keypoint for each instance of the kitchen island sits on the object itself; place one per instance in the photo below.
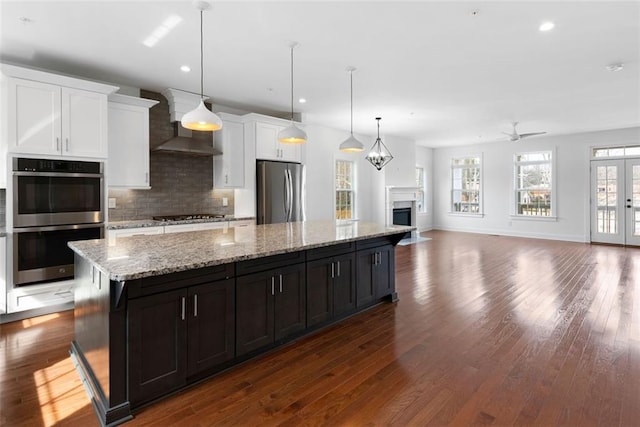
(154, 314)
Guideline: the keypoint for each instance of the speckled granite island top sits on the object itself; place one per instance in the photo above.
(143, 256)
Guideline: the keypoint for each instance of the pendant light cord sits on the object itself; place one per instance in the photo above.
(292, 83)
(201, 59)
(351, 75)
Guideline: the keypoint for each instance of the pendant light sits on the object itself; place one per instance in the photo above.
(351, 144)
(292, 134)
(379, 154)
(201, 118)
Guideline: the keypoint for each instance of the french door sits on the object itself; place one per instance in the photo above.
(615, 201)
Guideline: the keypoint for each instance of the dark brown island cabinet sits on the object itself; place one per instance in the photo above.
(139, 340)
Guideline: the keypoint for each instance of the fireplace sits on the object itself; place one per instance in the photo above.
(402, 216)
(400, 207)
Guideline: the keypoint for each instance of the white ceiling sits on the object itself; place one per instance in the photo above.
(434, 71)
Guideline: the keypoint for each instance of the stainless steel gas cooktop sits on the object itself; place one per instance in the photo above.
(167, 218)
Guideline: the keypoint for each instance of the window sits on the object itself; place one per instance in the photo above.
(618, 151)
(420, 202)
(465, 185)
(533, 176)
(345, 190)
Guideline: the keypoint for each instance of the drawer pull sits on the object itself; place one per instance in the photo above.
(63, 294)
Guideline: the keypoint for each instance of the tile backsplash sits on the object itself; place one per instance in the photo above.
(180, 184)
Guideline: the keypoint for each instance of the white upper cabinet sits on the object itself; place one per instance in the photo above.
(266, 141)
(48, 114)
(34, 117)
(128, 161)
(84, 123)
(228, 169)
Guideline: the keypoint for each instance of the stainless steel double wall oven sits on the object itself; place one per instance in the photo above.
(54, 202)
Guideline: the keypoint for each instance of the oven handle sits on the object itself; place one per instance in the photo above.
(58, 174)
(57, 227)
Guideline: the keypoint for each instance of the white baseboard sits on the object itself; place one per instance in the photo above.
(511, 233)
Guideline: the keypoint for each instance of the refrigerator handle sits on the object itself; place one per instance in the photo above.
(290, 195)
(287, 195)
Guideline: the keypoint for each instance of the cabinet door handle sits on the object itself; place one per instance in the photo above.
(273, 285)
(146, 177)
(281, 283)
(338, 262)
(67, 141)
(184, 302)
(226, 178)
(58, 144)
(195, 305)
(332, 270)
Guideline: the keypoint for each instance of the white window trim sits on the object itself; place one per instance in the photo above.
(554, 185)
(354, 189)
(480, 196)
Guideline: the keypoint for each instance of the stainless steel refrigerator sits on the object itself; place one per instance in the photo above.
(280, 192)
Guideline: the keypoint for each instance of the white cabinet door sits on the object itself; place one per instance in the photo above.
(269, 148)
(242, 223)
(266, 140)
(52, 120)
(84, 123)
(113, 235)
(179, 228)
(34, 117)
(40, 296)
(128, 165)
(228, 169)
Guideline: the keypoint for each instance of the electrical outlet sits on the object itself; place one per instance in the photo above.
(225, 201)
(112, 202)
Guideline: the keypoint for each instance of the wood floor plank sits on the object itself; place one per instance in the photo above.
(489, 330)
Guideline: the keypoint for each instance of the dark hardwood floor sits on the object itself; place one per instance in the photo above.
(488, 330)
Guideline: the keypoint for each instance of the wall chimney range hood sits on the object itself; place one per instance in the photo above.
(183, 143)
(180, 102)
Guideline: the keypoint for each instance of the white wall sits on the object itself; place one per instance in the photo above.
(322, 150)
(572, 185)
(424, 159)
(400, 172)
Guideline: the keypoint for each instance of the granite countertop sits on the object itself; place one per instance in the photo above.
(140, 223)
(143, 256)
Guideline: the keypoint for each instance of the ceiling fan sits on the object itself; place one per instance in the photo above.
(515, 136)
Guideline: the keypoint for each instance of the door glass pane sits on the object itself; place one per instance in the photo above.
(635, 200)
(607, 199)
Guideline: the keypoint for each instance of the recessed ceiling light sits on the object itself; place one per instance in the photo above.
(615, 67)
(185, 68)
(302, 100)
(547, 26)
